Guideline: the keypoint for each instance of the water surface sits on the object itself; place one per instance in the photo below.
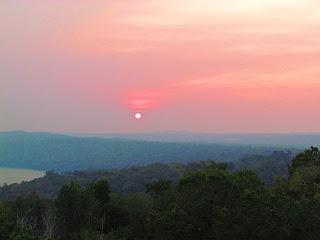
(17, 175)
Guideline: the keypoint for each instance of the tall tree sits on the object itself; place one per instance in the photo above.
(70, 212)
(101, 192)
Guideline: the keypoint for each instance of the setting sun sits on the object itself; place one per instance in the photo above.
(138, 116)
(160, 119)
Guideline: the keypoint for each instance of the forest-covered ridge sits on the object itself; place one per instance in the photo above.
(134, 179)
(45, 151)
(297, 140)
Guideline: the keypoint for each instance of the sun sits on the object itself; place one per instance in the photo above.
(138, 116)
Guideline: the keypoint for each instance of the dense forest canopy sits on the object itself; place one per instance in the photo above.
(134, 179)
(207, 203)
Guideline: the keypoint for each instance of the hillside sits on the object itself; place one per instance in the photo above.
(297, 140)
(124, 181)
(44, 151)
(135, 179)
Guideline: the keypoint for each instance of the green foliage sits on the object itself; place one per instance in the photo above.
(70, 212)
(208, 203)
(157, 188)
(22, 236)
(310, 158)
(30, 211)
(7, 220)
(214, 204)
(138, 207)
(124, 181)
(85, 235)
(101, 191)
(87, 213)
(267, 167)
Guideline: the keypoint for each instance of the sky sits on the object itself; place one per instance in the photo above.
(240, 66)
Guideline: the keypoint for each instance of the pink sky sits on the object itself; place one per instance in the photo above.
(187, 65)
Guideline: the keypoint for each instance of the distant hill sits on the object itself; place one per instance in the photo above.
(45, 151)
(298, 140)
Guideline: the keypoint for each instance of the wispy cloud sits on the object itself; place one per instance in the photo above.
(175, 56)
(134, 49)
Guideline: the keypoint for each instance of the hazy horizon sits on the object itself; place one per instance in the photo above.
(205, 66)
(161, 132)
(295, 140)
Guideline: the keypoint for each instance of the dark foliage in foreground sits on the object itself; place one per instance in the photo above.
(208, 204)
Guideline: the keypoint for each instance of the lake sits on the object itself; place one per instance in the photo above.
(16, 175)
